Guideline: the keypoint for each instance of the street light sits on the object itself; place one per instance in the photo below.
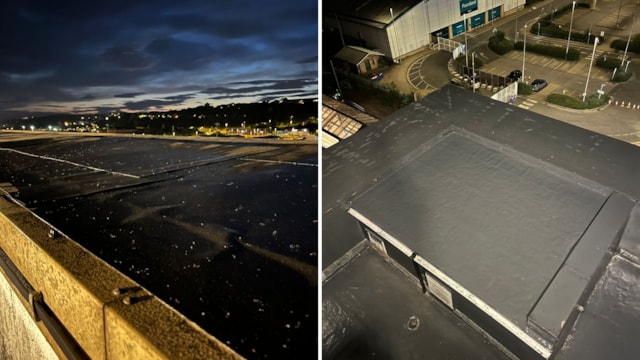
(593, 54)
(466, 49)
(628, 40)
(573, 7)
(524, 50)
(473, 71)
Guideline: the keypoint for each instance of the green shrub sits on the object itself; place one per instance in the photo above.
(499, 44)
(611, 62)
(591, 102)
(387, 94)
(622, 76)
(550, 50)
(524, 89)
(608, 62)
(564, 9)
(462, 60)
(550, 30)
(634, 44)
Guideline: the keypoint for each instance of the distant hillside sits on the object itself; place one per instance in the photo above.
(280, 114)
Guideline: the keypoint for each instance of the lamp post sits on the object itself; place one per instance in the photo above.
(628, 40)
(595, 42)
(466, 49)
(473, 71)
(524, 50)
(573, 7)
(516, 35)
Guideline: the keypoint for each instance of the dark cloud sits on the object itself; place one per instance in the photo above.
(257, 86)
(125, 57)
(154, 103)
(128, 95)
(54, 50)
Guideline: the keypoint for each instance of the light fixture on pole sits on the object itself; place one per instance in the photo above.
(624, 57)
(573, 7)
(593, 54)
(466, 49)
(524, 50)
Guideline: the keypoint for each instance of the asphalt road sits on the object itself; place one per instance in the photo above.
(225, 232)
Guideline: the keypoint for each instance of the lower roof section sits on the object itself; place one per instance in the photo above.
(371, 310)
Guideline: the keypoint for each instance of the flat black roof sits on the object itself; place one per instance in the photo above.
(223, 230)
(522, 211)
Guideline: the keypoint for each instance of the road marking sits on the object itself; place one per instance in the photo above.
(70, 163)
(279, 162)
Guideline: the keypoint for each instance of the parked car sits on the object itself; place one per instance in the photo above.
(538, 84)
(514, 75)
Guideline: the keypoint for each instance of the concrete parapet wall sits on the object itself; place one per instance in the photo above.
(108, 315)
(20, 337)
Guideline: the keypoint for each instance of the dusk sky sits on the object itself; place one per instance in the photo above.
(98, 56)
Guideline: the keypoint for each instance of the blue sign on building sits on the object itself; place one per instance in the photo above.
(457, 28)
(467, 6)
(494, 13)
(477, 20)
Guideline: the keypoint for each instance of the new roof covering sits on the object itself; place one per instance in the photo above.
(529, 225)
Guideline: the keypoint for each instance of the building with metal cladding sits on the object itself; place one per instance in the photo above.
(397, 28)
(462, 227)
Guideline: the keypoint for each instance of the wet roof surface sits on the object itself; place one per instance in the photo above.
(533, 215)
(224, 232)
(368, 309)
(463, 206)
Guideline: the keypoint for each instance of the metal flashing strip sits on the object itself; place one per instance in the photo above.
(455, 286)
(368, 223)
(506, 323)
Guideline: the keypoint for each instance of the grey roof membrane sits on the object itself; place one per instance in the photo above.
(367, 309)
(523, 211)
(495, 223)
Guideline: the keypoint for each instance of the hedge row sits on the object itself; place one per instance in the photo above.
(500, 44)
(608, 62)
(591, 102)
(550, 30)
(622, 76)
(634, 44)
(462, 60)
(563, 10)
(611, 62)
(547, 28)
(550, 50)
(524, 89)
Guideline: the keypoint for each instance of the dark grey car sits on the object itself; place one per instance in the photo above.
(538, 84)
